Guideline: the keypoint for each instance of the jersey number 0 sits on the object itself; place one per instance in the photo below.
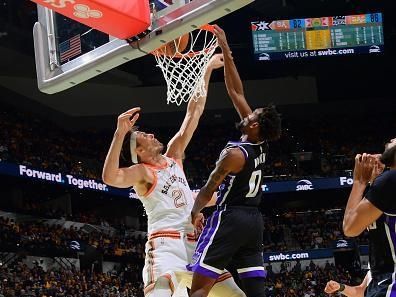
(254, 184)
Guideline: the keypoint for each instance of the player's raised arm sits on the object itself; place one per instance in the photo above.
(112, 174)
(231, 76)
(195, 108)
(360, 212)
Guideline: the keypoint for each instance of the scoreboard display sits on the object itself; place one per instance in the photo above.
(322, 36)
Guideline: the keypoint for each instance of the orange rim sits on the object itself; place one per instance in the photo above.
(207, 27)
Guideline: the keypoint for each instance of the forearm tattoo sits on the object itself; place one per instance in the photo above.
(215, 178)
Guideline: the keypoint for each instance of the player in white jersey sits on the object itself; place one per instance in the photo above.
(161, 185)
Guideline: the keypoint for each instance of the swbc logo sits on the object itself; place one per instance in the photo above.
(75, 245)
(342, 243)
(264, 57)
(80, 10)
(304, 185)
(374, 49)
(282, 257)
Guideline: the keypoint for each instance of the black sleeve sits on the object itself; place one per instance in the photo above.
(382, 193)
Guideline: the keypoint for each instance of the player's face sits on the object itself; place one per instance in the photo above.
(250, 119)
(388, 157)
(149, 142)
(390, 144)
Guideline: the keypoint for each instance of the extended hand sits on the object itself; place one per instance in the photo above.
(364, 166)
(124, 121)
(221, 38)
(216, 61)
(198, 222)
(331, 287)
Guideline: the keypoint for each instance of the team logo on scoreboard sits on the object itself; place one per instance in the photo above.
(317, 22)
(356, 19)
(280, 25)
(339, 20)
(325, 21)
(260, 26)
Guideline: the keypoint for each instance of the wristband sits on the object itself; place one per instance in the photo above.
(342, 288)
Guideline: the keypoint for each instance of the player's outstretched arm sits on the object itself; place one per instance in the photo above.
(230, 162)
(349, 291)
(195, 108)
(112, 174)
(232, 79)
(212, 200)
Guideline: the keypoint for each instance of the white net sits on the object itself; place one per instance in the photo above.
(184, 71)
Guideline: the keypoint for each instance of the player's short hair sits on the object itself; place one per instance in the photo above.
(126, 159)
(388, 157)
(270, 123)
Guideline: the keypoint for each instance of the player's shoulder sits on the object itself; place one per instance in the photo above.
(390, 173)
(144, 171)
(387, 177)
(231, 153)
(231, 144)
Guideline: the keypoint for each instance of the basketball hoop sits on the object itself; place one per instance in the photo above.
(183, 62)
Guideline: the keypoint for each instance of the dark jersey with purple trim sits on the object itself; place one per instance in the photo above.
(382, 233)
(245, 187)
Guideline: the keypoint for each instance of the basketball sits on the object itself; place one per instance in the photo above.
(177, 45)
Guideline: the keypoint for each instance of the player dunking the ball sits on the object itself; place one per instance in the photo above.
(234, 231)
(161, 185)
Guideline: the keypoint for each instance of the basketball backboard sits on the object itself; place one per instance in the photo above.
(68, 53)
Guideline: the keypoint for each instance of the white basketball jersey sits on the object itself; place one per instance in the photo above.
(169, 202)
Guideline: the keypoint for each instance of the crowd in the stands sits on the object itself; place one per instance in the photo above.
(21, 280)
(39, 236)
(321, 152)
(283, 232)
(305, 230)
(308, 281)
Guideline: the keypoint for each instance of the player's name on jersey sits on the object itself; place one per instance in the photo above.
(259, 160)
(172, 179)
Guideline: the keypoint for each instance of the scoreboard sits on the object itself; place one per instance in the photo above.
(321, 36)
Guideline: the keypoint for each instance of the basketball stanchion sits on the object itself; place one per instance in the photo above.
(183, 62)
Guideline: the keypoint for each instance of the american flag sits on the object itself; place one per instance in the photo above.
(70, 48)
